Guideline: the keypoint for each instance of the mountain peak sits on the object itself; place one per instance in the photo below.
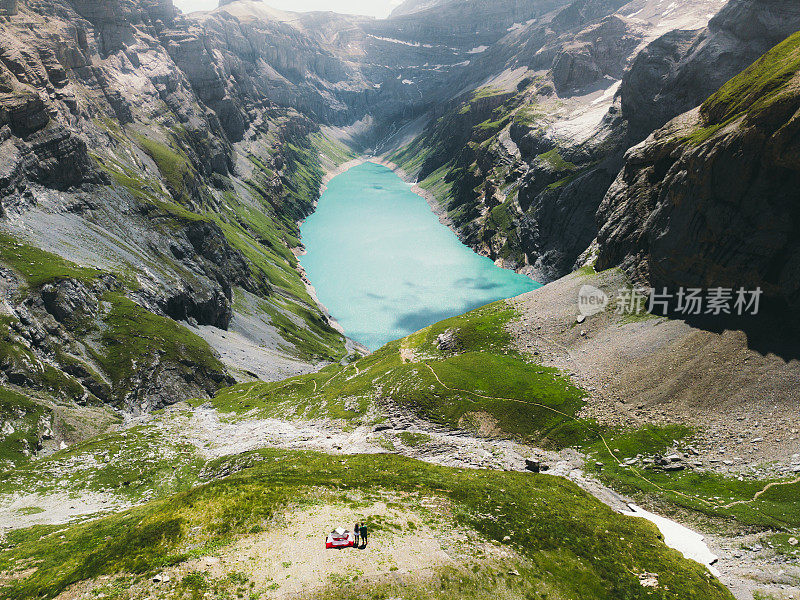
(226, 2)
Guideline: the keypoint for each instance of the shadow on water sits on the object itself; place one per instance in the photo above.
(414, 321)
(385, 266)
(478, 283)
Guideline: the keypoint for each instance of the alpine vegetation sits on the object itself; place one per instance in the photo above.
(480, 299)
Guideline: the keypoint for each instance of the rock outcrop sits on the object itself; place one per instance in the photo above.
(9, 8)
(679, 70)
(154, 165)
(710, 200)
(597, 78)
(601, 50)
(146, 179)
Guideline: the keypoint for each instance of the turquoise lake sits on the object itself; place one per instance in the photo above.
(384, 265)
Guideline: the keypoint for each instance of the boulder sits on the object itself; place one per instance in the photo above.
(69, 301)
(448, 341)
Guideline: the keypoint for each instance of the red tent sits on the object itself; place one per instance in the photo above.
(340, 538)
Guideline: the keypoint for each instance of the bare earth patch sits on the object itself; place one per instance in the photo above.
(293, 557)
(481, 422)
(410, 540)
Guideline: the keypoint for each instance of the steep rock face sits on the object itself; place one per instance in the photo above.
(528, 194)
(523, 191)
(146, 183)
(235, 61)
(681, 69)
(601, 50)
(464, 22)
(711, 199)
(555, 40)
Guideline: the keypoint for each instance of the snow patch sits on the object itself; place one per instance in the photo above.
(608, 94)
(680, 538)
(402, 42)
(517, 26)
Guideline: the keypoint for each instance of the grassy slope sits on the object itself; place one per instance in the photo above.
(132, 335)
(136, 464)
(723, 498)
(485, 365)
(555, 525)
(758, 87)
(260, 221)
(769, 82)
(38, 267)
(529, 402)
(578, 547)
(23, 415)
(129, 335)
(458, 177)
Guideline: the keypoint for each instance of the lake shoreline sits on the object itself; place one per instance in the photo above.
(336, 171)
(352, 346)
(437, 209)
(415, 256)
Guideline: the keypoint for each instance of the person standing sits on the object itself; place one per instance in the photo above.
(356, 531)
(363, 532)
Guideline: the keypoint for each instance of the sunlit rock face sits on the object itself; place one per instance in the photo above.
(570, 94)
(681, 69)
(127, 121)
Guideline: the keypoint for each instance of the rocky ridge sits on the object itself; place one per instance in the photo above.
(707, 182)
(580, 88)
(133, 180)
(180, 151)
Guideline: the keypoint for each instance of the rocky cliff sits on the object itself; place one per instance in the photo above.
(150, 193)
(681, 69)
(711, 199)
(526, 189)
(154, 167)
(588, 81)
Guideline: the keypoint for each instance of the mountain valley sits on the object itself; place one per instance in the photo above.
(179, 414)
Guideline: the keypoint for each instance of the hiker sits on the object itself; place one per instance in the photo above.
(356, 531)
(363, 531)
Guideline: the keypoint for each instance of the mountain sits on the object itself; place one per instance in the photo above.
(147, 188)
(408, 7)
(180, 417)
(155, 167)
(710, 199)
(525, 178)
(464, 23)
